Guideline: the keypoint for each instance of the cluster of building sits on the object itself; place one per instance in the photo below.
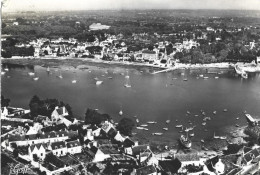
(53, 146)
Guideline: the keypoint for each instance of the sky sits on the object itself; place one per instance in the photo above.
(53, 5)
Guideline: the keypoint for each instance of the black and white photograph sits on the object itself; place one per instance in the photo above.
(130, 87)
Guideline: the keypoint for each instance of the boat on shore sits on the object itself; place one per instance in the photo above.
(223, 137)
(185, 141)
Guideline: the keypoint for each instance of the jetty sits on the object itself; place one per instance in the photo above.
(165, 70)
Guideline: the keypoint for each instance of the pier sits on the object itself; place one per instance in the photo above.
(165, 70)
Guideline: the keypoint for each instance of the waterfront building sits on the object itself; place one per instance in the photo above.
(148, 55)
(59, 113)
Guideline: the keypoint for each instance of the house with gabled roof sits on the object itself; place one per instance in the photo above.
(39, 149)
(59, 113)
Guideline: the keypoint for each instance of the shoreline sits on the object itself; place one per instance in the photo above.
(75, 62)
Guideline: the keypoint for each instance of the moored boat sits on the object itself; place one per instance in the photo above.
(144, 125)
(157, 133)
(99, 82)
(120, 112)
(151, 122)
(166, 129)
(178, 126)
(168, 121)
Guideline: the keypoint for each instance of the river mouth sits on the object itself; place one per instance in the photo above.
(160, 97)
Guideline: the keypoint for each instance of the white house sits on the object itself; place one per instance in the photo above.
(74, 147)
(59, 113)
(38, 149)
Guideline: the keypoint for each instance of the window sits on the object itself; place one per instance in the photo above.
(41, 154)
(32, 142)
(61, 152)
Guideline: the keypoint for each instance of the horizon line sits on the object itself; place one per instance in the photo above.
(131, 9)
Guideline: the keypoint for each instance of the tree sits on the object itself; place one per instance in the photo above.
(125, 126)
(93, 117)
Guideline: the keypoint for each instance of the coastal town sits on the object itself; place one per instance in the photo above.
(173, 63)
(60, 144)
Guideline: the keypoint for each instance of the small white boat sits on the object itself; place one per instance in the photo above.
(168, 121)
(214, 112)
(48, 69)
(178, 126)
(31, 73)
(127, 85)
(144, 125)
(99, 82)
(237, 125)
(225, 110)
(202, 141)
(166, 129)
(203, 123)
(185, 79)
(192, 134)
(201, 75)
(137, 120)
(157, 133)
(2, 73)
(237, 118)
(205, 78)
(223, 137)
(36, 78)
(120, 112)
(203, 113)
(6, 69)
(196, 115)
(74, 81)
(151, 122)
(96, 78)
(146, 129)
(188, 112)
(110, 77)
(182, 73)
(138, 127)
(216, 77)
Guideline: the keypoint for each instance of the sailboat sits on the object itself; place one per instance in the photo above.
(60, 76)
(127, 84)
(120, 112)
(74, 80)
